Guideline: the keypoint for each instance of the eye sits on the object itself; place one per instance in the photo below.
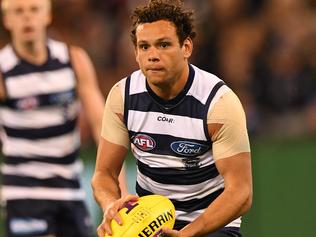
(35, 9)
(18, 11)
(143, 46)
(164, 44)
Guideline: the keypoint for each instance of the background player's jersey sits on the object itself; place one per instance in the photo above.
(39, 136)
(171, 143)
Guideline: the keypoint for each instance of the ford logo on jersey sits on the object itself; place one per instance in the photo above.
(144, 142)
(186, 148)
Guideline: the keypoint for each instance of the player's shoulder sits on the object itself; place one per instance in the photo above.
(230, 97)
(8, 58)
(207, 81)
(58, 50)
(119, 87)
(227, 104)
(6, 51)
(203, 74)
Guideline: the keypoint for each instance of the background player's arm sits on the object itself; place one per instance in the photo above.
(92, 101)
(91, 98)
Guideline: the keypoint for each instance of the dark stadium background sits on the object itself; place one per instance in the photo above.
(265, 50)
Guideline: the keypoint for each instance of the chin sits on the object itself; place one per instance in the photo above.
(28, 40)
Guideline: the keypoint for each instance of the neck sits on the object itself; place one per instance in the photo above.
(171, 89)
(32, 51)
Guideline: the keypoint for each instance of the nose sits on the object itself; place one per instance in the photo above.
(153, 55)
(27, 15)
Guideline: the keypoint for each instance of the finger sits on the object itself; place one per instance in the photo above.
(131, 197)
(101, 231)
(128, 199)
(118, 219)
(107, 229)
(107, 220)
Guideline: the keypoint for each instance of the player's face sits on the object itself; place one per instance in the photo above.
(27, 19)
(159, 54)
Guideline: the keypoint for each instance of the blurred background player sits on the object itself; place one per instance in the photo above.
(44, 84)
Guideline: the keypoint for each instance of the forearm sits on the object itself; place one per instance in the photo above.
(94, 112)
(123, 182)
(105, 189)
(230, 205)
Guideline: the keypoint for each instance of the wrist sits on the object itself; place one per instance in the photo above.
(107, 203)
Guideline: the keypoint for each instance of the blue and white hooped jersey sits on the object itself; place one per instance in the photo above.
(171, 143)
(38, 118)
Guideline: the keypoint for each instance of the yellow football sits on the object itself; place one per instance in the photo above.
(145, 217)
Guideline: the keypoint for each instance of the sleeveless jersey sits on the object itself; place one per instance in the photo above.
(40, 139)
(171, 143)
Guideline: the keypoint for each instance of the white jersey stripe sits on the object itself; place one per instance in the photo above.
(8, 58)
(185, 216)
(14, 192)
(188, 216)
(139, 87)
(201, 92)
(57, 146)
(43, 170)
(152, 125)
(19, 86)
(37, 118)
(58, 50)
(180, 192)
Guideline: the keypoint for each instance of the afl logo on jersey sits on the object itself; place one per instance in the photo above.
(144, 142)
(27, 103)
(186, 148)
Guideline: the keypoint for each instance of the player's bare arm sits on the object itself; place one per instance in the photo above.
(232, 203)
(235, 200)
(90, 96)
(105, 183)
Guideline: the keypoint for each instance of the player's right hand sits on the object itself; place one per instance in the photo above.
(111, 212)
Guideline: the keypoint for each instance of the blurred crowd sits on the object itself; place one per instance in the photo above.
(264, 50)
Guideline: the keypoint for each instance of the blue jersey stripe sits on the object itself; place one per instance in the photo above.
(189, 107)
(64, 160)
(163, 143)
(56, 182)
(189, 205)
(61, 98)
(177, 176)
(42, 133)
(24, 68)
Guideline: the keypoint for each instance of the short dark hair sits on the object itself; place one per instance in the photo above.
(169, 10)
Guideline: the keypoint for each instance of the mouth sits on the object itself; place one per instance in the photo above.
(155, 69)
(28, 29)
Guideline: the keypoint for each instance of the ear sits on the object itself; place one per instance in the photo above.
(49, 19)
(187, 47)
(6, 22)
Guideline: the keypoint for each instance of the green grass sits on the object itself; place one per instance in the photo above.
(284, 189)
